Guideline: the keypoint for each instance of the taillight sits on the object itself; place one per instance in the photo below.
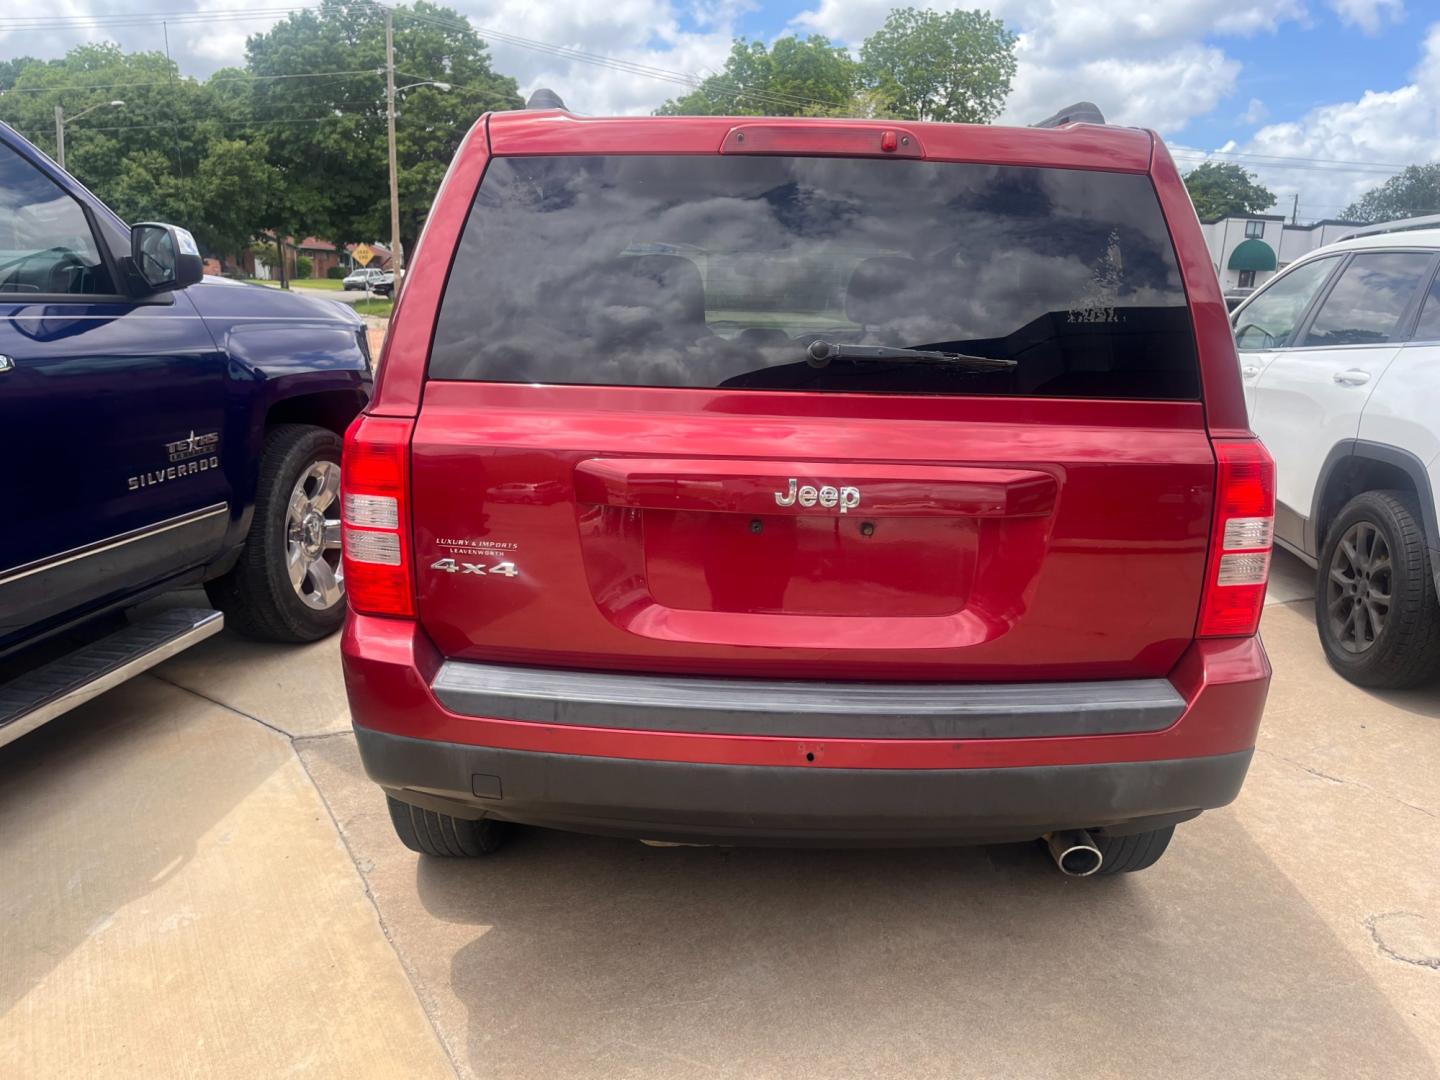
(1239, 564)
(375, 513)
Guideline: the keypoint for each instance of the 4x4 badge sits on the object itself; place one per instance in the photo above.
(846, 498)
(500, 569)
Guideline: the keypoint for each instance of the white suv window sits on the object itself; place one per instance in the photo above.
(1270, 320)
(1372, 295)
(1429, 326)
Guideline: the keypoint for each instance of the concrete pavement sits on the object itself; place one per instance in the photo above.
(208, 885)
(176, 902)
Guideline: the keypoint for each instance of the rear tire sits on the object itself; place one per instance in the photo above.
(443, 836)
(258, 596)
(1138, 851)
(1374, 557)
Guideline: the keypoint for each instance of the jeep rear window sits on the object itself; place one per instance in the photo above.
(718, 271)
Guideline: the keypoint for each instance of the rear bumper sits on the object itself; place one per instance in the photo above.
(1160, 751)
(683, 801)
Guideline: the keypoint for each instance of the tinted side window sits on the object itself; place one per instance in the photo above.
(720, 271)
(1366, 304)
(1270, 319)
(45, 242)
(1429, 326)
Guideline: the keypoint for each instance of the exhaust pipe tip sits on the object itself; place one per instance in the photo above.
(1074, 852)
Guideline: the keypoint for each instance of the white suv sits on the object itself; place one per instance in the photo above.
(1340, 356)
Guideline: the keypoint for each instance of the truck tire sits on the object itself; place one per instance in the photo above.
(1127, 854)
(431, 833)
(1375, 604)
(289, 584)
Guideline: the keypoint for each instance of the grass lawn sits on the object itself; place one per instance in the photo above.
(306, 283)
(378, 306)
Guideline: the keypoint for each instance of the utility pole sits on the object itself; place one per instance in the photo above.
(1295, 209)
(60, 123)
(396, 260)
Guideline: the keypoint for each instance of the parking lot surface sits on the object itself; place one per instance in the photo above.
(198, 879)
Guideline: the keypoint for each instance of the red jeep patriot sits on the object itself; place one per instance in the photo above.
(774, 480)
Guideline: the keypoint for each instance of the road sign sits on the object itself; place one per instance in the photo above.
(363, 254)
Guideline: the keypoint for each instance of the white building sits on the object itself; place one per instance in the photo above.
(1247, 251)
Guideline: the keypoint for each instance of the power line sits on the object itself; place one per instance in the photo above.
(1279, 161)
(219, 123)
(338, 114)
(231, 123)
(133, 18)
(193, 81)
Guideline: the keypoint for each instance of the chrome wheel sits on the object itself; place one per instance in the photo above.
(1358, 589)
(312, 537)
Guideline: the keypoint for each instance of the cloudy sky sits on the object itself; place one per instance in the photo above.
(1322, 98)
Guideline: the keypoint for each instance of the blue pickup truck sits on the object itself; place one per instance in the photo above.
(158, 429)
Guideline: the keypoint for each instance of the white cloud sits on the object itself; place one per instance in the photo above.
(1141, 61)
(1368, 14)
(1162, 92)
(644, 32)
(1079, 27)
(1382, 131)
(1254, 112)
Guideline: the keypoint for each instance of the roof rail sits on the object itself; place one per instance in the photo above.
(544, 98)
(1082, 112)
(1425, 221)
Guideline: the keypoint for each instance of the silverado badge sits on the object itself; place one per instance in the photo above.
(192, 454)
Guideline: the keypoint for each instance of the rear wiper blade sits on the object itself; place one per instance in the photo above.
(820, 352)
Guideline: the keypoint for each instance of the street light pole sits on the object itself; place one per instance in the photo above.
(60, 123)
(396, 258)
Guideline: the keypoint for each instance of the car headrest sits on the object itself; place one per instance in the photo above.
(667, 287)
(883, 289)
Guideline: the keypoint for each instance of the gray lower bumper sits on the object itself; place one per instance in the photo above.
(668, 800)
(807, 710)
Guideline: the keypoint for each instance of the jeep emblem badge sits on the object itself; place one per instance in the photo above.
(846, 498)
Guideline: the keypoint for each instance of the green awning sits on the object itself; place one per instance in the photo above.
(1252, 254)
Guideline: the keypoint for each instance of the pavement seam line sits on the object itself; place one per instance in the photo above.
(1341, 780)
(322, 735)
(213, 701)
(411, 976)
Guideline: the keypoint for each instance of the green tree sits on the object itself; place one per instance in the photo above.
(147, 188)
(159, 113)
(235, 186)
(1224, 189)
(325, 137)
(175, 151)
(954, 66)
(794, 77)
(10, 70)
(1414, 193)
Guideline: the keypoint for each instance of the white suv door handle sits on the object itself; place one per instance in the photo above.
(1249, 371)
(1352, 377)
